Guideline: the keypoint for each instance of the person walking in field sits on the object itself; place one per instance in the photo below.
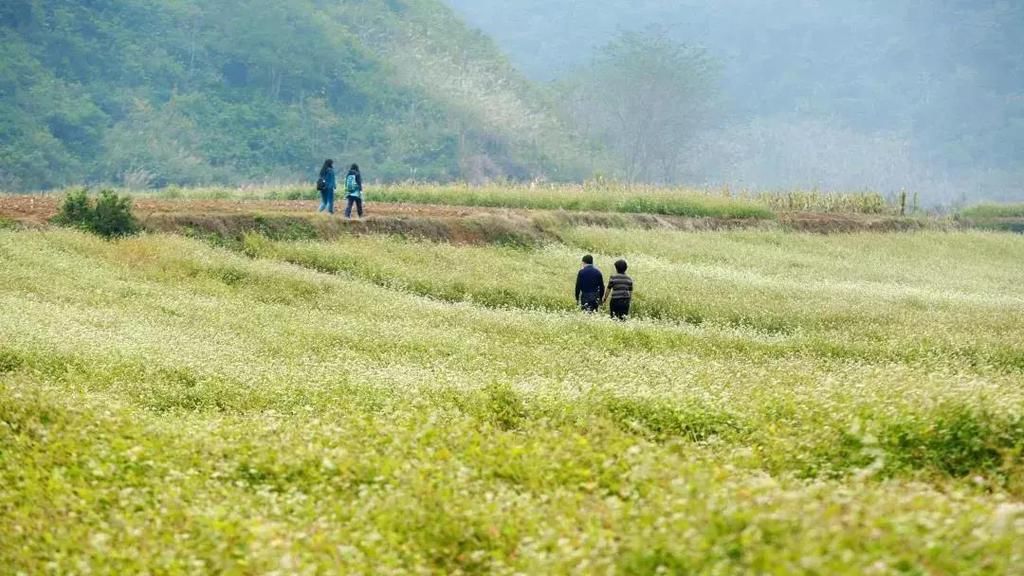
(589, 286)
(354, 191)
(620, 292)
(326, 184)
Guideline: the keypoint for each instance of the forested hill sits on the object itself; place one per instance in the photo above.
(940, 83)
(153, 92)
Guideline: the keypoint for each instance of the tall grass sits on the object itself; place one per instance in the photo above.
(986, 211)
(833, 203)
(591, 196)
(599, 195)
(603, 198)
(166, 406)
(872, 302)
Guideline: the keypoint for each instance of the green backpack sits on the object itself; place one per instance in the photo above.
(352, 185)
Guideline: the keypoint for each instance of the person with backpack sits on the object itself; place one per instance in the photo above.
(589, 286)
(354, 191)
(325, 185)
(620, 292)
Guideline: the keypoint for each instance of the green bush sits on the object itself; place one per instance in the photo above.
(109, 216)
(76, 210)
(983, 211)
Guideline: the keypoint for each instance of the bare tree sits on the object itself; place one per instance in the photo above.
(645, 97)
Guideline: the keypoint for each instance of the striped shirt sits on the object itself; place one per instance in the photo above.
(620, 286)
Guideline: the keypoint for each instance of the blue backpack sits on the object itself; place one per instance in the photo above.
(352, 185)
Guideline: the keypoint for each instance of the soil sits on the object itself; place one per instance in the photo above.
(462, 224)
(38, 209)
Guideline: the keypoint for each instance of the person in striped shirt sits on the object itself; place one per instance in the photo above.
(620, 291)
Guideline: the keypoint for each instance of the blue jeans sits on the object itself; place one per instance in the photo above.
(327, 201)
(359, 206)
(590, 301)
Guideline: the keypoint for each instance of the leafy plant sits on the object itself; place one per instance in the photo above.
(76, 210)
(110, 216)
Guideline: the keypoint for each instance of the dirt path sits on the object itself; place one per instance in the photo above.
(37, 209)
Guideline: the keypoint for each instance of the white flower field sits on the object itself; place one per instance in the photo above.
(780, 403)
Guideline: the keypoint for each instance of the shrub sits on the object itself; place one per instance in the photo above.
(109, 216)
(983, 211)
(76, 210)
(113, 216)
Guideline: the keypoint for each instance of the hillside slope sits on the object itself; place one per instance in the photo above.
(925, 96)
(153, 92)
(843, 405)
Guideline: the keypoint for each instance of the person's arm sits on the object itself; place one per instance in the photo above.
(359, 181)
(600, 287)
(579, 285)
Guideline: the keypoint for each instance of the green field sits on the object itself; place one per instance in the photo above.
(994, 211)
(780, 403)
(601, 196)
(1000, 217)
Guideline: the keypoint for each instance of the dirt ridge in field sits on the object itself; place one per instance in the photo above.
(460, 224)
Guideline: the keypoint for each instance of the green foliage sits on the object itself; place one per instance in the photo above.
(783, 269)
(1002, 217)
(501, 406)
(959, 440)
(663, 420)
(76, 210)
(149, 93)
(377, 405)
(986, 211)
(109, 216)
(812, 201)
(600, 198)
(112, 216)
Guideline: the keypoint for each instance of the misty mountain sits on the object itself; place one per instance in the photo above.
(936, 88)
(152, 92)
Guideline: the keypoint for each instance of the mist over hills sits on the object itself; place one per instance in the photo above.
(845, 94)
(154, 92)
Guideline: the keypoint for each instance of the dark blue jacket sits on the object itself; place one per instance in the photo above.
(330, 180)
(589, 281)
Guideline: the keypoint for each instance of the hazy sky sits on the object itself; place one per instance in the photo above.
(942, 79)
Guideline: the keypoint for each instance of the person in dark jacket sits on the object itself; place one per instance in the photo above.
(354, 191)
(620, 291)
(330, 184)
(589, 286)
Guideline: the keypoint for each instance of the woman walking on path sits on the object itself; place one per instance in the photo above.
(326, 185)
(354, 191)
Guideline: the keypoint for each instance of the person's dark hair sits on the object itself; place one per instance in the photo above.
(353, 168)
(327, 164)
(621, 266)
(588, 259)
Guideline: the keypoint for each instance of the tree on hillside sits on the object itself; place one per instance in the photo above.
(645, 97)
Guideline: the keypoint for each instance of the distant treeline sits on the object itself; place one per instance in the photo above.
(846, 94)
